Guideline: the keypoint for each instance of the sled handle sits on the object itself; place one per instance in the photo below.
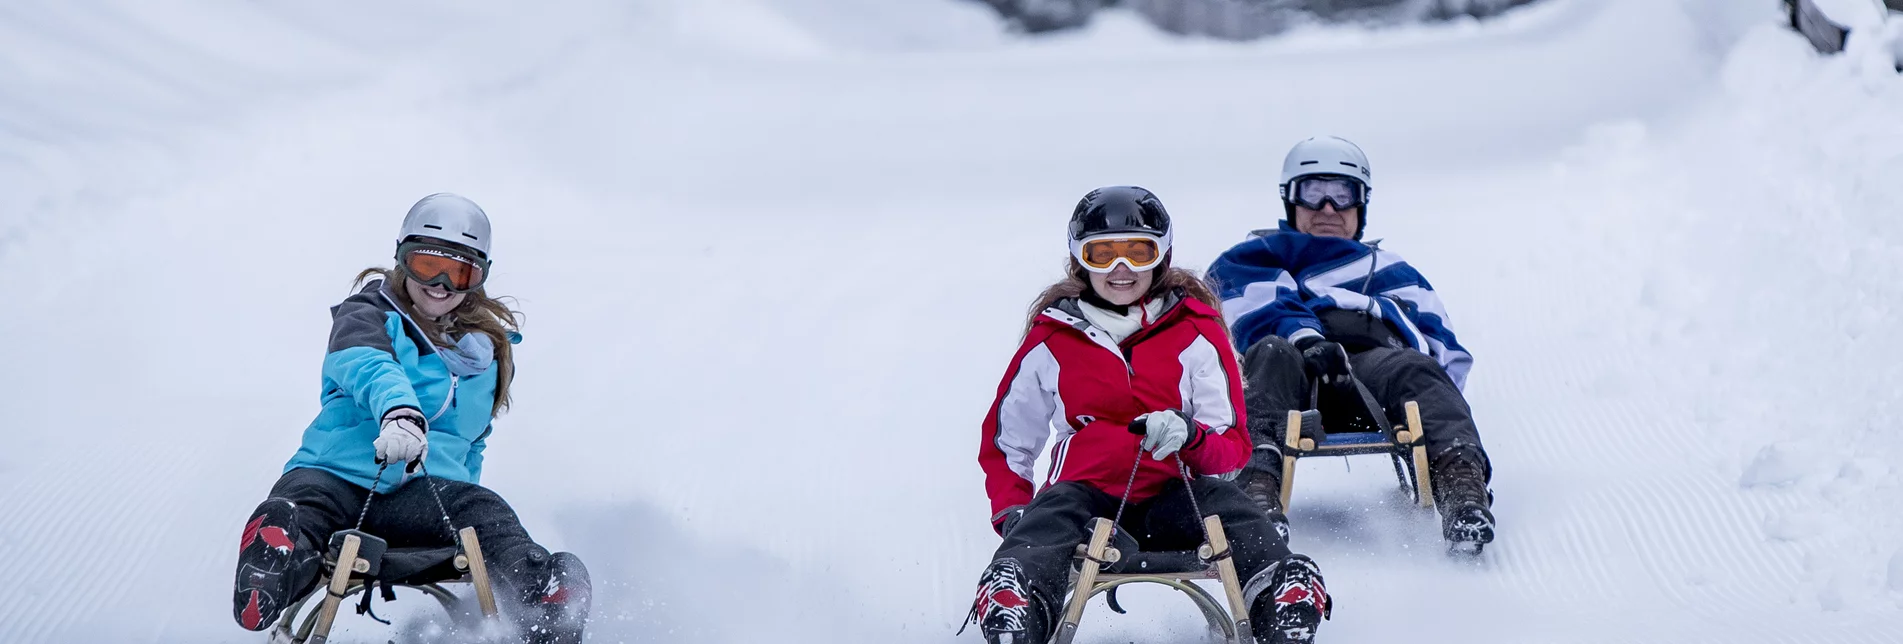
(1291, 436)
(1423, 477)
(479, 572)
(1100, 529)
(1231, 584)
(1412, 432)
(339, 582)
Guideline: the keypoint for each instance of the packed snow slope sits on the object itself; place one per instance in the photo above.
(775, 254)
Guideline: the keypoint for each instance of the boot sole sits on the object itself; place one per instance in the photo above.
(1306, 619)
(264, 560)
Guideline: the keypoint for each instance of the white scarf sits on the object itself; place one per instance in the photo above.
(1121, 326)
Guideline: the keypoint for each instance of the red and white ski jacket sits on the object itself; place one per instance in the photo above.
(1072, 376)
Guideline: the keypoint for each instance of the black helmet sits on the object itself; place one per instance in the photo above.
(1120, 209)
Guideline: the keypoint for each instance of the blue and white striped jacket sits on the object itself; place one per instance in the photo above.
(1276, 282)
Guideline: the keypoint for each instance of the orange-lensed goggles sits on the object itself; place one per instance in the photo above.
(1102, 255)
(442, 266)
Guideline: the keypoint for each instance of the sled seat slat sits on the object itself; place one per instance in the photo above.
(1356, 438)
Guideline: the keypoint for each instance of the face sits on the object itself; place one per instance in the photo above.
(1328, 222)
(433, 301)
(1121, 286)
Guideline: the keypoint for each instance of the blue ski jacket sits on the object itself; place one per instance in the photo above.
(378, 361)
(1278, 281)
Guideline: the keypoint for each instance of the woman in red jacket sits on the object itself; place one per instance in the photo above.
(1126, 339)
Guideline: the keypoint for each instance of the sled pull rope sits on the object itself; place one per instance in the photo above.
(1190, 489)
(373, 494)
(471, 546)
(450, 525)
(1117, 522)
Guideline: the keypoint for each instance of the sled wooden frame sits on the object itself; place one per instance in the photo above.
(1407, 446)
(1090, 581)
(315, 627)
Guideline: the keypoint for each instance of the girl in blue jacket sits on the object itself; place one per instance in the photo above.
(419, 364)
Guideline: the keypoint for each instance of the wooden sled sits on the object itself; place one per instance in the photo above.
(1357, 425)
(358, 560)
(1104, 568)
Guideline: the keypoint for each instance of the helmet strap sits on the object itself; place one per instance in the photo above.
(1090, 296)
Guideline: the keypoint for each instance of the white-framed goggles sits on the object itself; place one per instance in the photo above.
(1102, 253)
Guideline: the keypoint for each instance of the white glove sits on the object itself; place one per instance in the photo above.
(1164, 432)
(403, 439)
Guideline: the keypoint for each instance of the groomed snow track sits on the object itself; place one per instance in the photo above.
(1666, 230)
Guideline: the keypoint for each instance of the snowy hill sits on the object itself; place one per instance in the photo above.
(1666, 230)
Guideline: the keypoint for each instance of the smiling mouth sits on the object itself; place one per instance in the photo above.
(1122, 283)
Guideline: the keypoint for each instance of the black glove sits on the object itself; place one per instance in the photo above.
(1007, 519)
(1324, 360)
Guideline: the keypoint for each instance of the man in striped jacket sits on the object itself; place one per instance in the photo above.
(1310, 304)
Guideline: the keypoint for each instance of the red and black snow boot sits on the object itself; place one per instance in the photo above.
(1007, 610)
(549, 595)
(562, 602)
(272, 570)
(1289, 602)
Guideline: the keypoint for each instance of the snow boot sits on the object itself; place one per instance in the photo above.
(1007, 610)
(1460, 489)
(1265, 489)
(1263, 475)
(563, 601)
(552, 595)
(272, 571)
(1288, 602)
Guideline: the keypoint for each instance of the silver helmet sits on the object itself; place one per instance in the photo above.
(448, 217)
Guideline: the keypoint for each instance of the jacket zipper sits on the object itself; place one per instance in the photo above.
(1124, 353)
(451, 398)
(447, 400)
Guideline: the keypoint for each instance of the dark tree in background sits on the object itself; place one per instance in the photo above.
(1242, 19)
(1039, 16)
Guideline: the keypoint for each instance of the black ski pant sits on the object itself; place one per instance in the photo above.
(408, 517)
(1044, 540)
(1274, 383)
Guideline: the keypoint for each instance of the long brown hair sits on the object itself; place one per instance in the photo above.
(1076, 281)
(478, 313)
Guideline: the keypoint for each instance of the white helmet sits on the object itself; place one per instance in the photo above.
(1326, 155)
(1329, 155)
(448, 217)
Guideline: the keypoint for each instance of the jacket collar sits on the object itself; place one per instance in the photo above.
(1285, 228)
(424, 344)
(1067, 313)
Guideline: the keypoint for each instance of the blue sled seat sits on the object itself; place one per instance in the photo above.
(1355, 438)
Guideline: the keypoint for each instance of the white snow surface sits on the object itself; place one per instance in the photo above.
(752, 384)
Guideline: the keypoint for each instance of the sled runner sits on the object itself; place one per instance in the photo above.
(1105, 566)
(1346, 421)
(357, 561)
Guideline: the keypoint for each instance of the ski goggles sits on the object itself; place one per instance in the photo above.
(1101, 255)
(1313, 192)
(442, 266)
